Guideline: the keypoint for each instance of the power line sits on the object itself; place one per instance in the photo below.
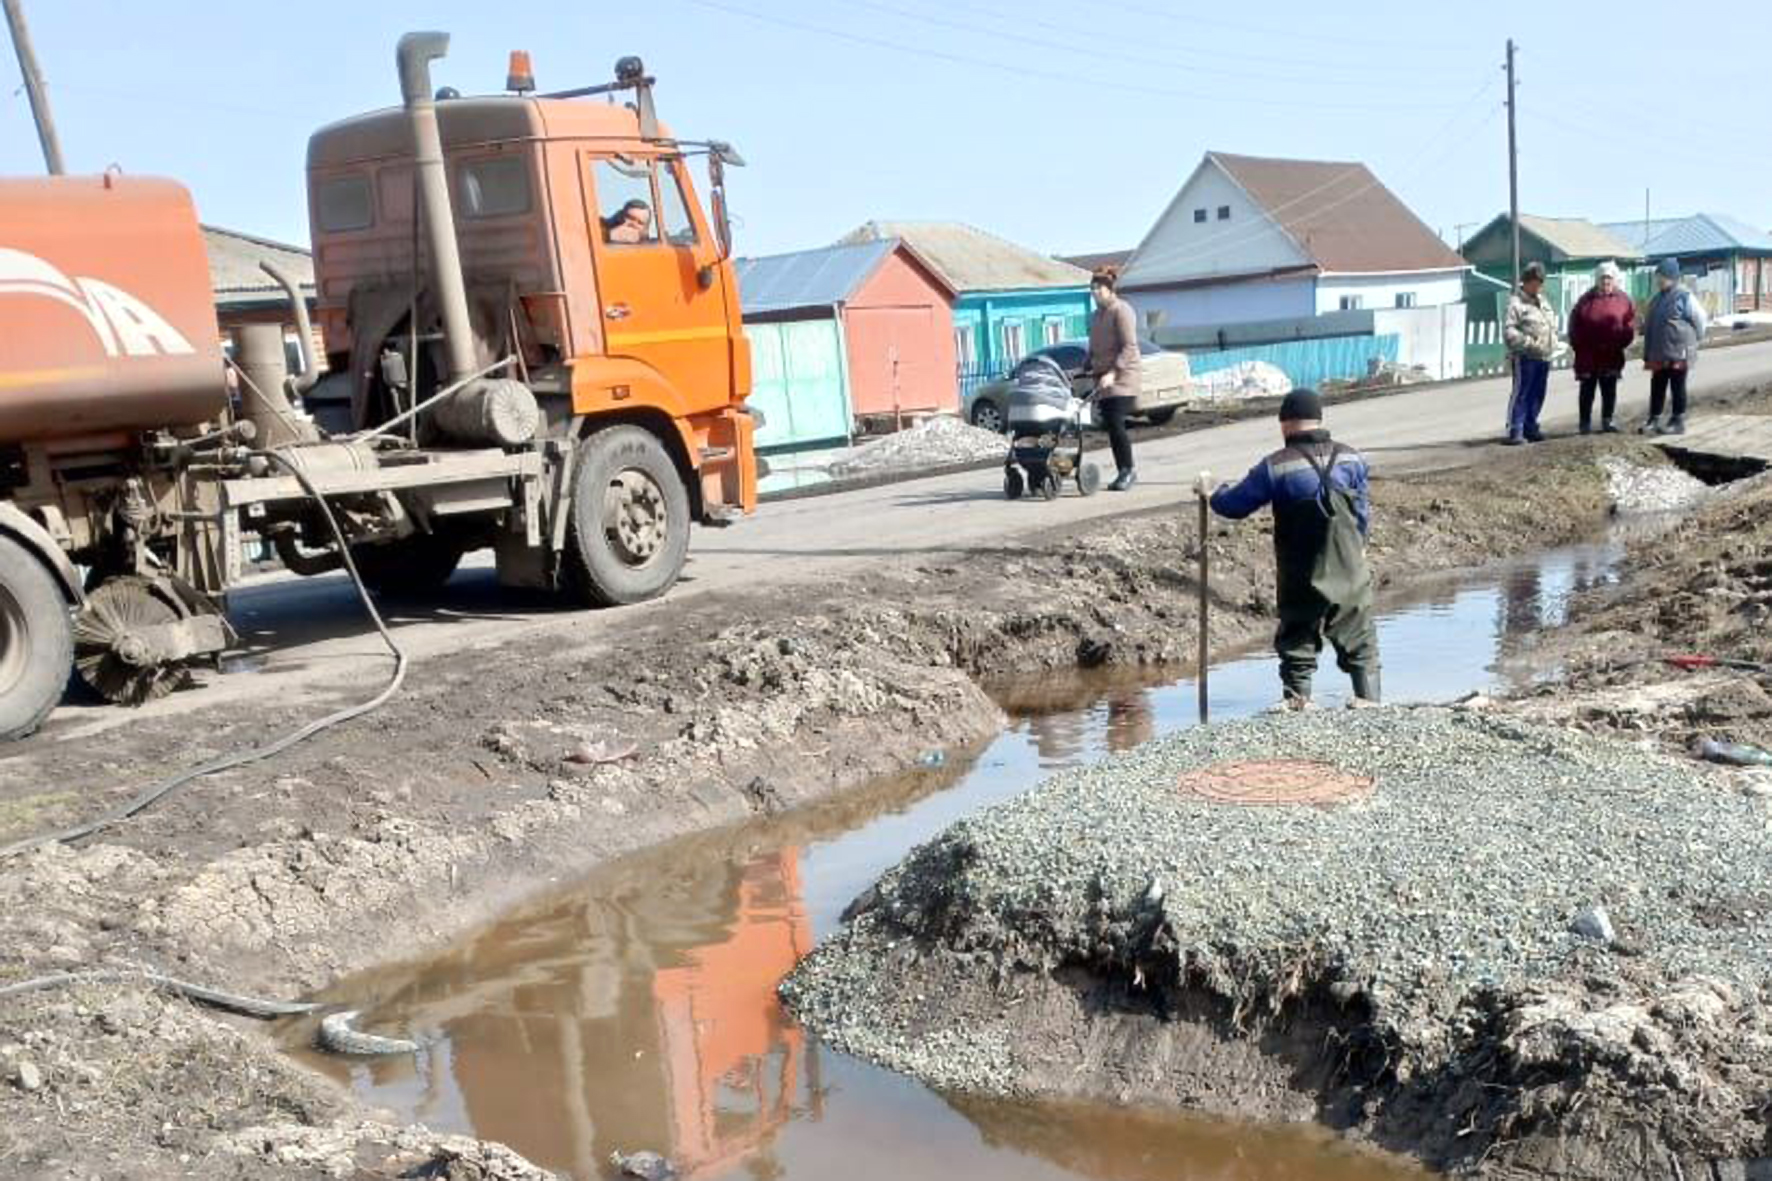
(1073, 79)
(1230, 239)
(1270, 31)
(1318, 72)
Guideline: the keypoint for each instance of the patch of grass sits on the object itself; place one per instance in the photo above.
(20, 817)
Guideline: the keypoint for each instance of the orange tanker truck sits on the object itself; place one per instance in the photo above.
(533, 345)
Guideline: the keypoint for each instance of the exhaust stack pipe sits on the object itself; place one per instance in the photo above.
(498, 411)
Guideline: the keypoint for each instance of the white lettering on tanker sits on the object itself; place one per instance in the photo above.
(123, 324)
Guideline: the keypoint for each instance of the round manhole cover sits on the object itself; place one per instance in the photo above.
(1275, 781)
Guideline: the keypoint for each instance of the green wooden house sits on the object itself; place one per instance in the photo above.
(1568, 248)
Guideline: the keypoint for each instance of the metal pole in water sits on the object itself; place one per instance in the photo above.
(1205, 572)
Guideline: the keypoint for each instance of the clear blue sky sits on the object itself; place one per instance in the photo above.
(1067, 126)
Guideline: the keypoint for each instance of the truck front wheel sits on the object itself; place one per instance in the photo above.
(36, 641)
(628, 531)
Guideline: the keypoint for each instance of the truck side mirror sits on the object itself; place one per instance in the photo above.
(722, 223)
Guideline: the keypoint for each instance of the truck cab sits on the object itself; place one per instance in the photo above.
(586, 258)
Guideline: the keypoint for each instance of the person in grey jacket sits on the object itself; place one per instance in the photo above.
(1672, 332)
(1530, 334)
(1114, 361)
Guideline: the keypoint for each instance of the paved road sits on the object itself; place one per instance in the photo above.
(307, 634)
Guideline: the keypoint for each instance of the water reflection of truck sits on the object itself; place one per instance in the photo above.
(640, 1015)
(511, 368)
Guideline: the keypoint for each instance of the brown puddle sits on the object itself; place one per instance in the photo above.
(637, 1010)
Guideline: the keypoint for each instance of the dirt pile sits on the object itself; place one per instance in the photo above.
(498, 771)
(1700, 589)
(1517, 952)
(936, 442)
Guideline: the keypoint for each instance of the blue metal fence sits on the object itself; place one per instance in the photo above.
(1305, 362)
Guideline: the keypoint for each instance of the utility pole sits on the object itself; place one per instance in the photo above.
(27, 64)
(1513, 161)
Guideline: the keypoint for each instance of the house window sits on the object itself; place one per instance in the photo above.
(1224, 213)
(1352, 303)
(1054, 329)
(1405, 299)
(966, 345)
(1199, 216)
(1014, 342)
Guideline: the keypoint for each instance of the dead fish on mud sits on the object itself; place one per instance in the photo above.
(337, 1037)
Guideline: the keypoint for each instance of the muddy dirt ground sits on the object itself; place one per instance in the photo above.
(496, 773)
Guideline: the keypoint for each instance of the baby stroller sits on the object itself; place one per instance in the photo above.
(1046, 420)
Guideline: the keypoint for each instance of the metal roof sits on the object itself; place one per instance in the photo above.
(1340, 214)
(1702, 233)
(234, 272)
(807, 278)
(1115, 259)
(1576, 238)
(967, 258)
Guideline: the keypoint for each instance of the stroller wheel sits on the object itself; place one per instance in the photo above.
(1049, 486)
(1089, 479)
(1013, 485)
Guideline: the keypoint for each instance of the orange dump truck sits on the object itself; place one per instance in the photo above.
(534, 345)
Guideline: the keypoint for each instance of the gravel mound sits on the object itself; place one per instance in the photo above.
(1518, 924)
(1637, 488)
(934, 442)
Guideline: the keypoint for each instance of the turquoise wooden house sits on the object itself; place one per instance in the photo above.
(1008, 300)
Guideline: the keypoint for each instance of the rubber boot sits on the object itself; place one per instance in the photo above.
(1366, 686)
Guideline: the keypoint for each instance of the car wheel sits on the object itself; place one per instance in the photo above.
(987, 416)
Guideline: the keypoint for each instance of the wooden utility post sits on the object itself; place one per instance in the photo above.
(27, 64)
(1513, 162)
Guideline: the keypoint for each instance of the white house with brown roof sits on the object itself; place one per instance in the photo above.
(1254, 239)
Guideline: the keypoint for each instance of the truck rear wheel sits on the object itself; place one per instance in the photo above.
(36, 641)
(416, 565)
(628, 530)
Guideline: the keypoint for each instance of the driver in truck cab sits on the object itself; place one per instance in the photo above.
(628, 226)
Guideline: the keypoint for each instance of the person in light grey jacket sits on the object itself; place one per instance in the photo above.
(1672, 333)
(1530, 333)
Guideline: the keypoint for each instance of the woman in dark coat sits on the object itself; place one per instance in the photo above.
(1601, 327)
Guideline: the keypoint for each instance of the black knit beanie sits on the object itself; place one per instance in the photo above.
(1302, 405)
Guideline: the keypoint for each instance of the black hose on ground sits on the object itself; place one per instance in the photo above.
(157, 791)
(246, 1006)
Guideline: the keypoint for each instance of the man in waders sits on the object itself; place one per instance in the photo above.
(1317, 488)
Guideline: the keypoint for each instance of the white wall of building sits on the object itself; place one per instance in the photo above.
(1432, 337)
(1377, 292)
(1224, 303)
(1245, 242)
